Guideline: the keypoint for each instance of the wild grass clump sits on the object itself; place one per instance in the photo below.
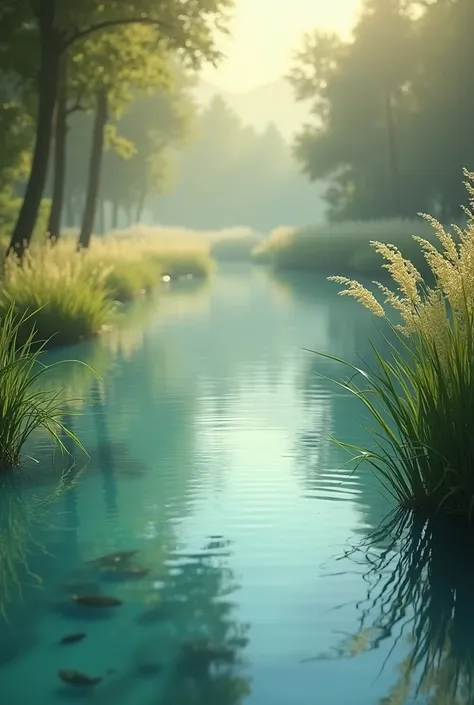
(131, 265)
(237, 248)
(73, 293)
(421, 395)
(24, 406)
(127, 282)
(340, 246)
(177, 252)
(65, 290)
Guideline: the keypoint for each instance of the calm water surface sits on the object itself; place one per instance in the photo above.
(265, 583)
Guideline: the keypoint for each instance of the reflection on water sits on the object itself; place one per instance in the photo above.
(197, 554)
(25, 517)
(420, 588)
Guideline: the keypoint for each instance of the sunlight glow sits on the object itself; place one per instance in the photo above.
(265, 33)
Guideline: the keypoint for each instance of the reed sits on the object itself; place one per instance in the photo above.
(24, 406)
(420, 395)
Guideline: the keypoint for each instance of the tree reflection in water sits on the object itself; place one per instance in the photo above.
(208, 666)
(421, 589)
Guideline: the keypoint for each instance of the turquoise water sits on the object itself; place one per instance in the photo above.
(263, 580)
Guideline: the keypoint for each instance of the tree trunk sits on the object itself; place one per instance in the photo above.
(70, 212)
(48, 79)
(115, 214)
(59, 176)
(94, 169)
(102, 216)
(392, 153)
(141, 204)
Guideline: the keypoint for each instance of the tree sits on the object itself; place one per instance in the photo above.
(156, 125)
(356, 98)
(390, 109)
(114, 65)
(185, 26)
(234, 175)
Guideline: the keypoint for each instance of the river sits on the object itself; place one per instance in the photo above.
(257, 577)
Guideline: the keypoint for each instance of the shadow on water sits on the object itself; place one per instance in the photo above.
(26, 566)
(420, 598)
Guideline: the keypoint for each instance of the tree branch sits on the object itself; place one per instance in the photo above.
(78, 104)
(78, 34)
(75, 108)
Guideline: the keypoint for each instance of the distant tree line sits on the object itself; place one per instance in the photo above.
(392, 109)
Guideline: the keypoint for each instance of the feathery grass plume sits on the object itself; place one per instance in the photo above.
(421, 396)
(24, 406)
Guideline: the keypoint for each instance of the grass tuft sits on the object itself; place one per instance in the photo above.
(421, 395)
(24, 406)
(65, 289)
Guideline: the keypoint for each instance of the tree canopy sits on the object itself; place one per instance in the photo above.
(390, 109)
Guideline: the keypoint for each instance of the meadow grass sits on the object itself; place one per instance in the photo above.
(421, 395)
(73, 294)
(25, 407)
(343, 247)
(65, 290)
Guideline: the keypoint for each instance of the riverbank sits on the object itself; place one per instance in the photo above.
(75, 294)
(342, 248)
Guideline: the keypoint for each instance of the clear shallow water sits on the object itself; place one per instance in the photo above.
(210, 456)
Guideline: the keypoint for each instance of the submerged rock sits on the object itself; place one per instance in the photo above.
(78, 679)
(73, 638)
(114, 559)
(96, 600)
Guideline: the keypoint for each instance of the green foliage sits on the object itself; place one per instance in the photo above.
(154, 124)
(344, 246)
(391, 109)
(25, 408)
(9, 209)
(424, 447)
(237, 248)
(16, 136)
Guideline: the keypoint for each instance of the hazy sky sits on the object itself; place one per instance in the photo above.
(266, 32)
